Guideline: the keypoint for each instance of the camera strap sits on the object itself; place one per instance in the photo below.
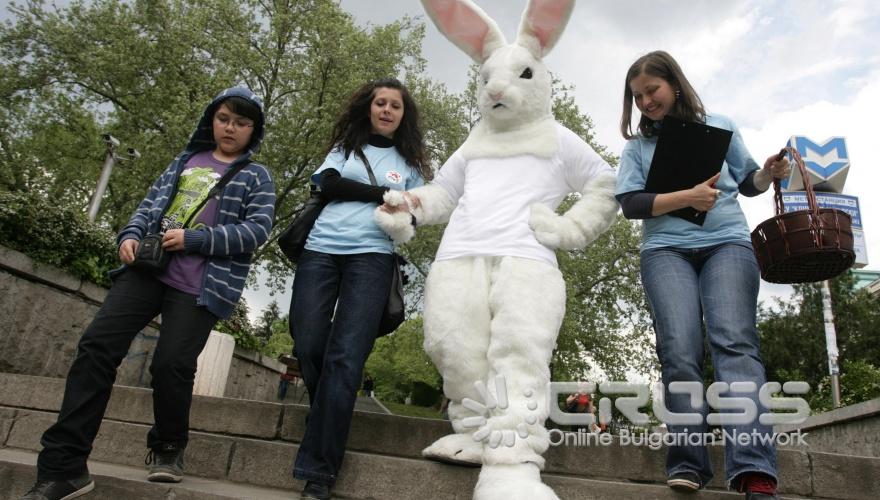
(215, 191)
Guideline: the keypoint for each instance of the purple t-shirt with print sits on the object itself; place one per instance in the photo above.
(187, 270)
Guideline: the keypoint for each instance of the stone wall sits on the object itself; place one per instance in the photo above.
(44, 310)
(851, 430)
(253, 376)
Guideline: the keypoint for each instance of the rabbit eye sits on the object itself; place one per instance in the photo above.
(527, 73)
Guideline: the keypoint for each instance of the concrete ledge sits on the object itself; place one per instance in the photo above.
(851, 430)
(19, 263)
(857, 411)
(113, 482)
(260, 359)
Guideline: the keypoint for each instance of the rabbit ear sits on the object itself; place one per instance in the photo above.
(542, 24)
(467, 26)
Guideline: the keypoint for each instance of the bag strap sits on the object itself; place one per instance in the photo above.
(215, 191)
(369, 169)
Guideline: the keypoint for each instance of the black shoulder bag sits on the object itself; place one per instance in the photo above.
(150, 255)
(292, 240)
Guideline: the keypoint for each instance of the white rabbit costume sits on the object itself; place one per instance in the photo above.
(494, 298)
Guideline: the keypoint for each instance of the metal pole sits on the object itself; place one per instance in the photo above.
(831, 344)
(102, 184)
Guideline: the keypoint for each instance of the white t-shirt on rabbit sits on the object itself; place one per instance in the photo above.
(492, 218)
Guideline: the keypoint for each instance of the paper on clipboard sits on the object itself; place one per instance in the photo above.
(687, 154)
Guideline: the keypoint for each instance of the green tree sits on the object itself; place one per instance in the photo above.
(398, 363)
(279, 342)
(143, 71)
(265, 326)
(239, 326)
(793, 338)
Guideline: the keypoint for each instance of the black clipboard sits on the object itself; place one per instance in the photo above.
(687, 154)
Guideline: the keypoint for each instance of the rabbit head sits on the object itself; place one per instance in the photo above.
(514, 83)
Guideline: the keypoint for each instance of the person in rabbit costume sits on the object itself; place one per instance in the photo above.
(494, 298)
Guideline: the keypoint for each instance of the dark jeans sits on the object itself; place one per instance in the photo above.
(334, 318)
(135, 299)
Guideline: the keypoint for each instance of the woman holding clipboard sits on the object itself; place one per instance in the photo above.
(698, 269)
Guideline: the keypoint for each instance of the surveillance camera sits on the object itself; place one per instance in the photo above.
(110, 140)
(134, 153)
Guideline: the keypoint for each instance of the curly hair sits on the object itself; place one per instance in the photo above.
(688, 106)
(352, 129)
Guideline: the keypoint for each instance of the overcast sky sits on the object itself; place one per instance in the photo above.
(777, 67)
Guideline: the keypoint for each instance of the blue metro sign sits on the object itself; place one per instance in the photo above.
(826, 163)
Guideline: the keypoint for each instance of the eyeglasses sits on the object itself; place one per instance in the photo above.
(237, 123)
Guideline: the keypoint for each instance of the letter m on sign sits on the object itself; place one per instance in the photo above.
(827, 164)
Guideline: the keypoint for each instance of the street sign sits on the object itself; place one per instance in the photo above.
(826, 163)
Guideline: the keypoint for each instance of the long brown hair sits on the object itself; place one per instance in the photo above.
(352, 129)
(687, 107)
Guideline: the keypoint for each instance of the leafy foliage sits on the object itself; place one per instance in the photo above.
(793, 340)
(57, 234)
(239, 326)
(398, 363)
(859, 381)
(280, 341)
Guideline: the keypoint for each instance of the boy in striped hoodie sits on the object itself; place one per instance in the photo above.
(210, 259)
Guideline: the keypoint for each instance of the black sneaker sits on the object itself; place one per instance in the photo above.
(684, 481)
(315, 491)
(60, 490)
(166, 464)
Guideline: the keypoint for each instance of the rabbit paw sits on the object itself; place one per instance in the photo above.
(457, 449)
(394, 198)
(547, 225)
(397, 225)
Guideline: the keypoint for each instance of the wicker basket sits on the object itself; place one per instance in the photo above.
(806, 245)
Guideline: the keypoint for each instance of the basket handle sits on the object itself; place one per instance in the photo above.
(808, 187)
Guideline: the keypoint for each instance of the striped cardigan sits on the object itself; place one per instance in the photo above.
(245, 214)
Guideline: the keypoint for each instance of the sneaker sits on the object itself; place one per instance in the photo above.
(166, 464)
(757, 486)
(316, 491)
(684, 481)
(60, 490)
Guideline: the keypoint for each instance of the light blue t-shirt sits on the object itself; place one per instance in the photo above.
(724, 223)
(347, 227)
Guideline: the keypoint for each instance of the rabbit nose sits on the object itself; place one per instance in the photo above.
(496, 96)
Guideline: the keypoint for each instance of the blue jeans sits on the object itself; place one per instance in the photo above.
(718, 284)
(337, 304)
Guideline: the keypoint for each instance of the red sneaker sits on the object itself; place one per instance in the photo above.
(757, 485)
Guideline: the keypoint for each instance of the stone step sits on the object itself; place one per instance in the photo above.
(432, 481)
(113, 482)
(225, 427)
(268, 463)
